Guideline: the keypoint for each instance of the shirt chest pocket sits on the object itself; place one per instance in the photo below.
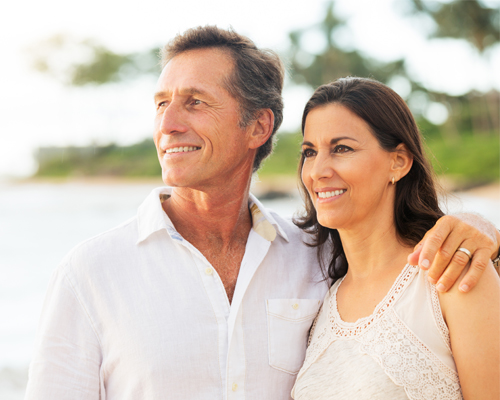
(288, 323)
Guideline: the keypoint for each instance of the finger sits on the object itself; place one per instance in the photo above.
(480, 260)
(422, 261)
(447, 256)
(453, 271)
(434, 239)
(413, 257)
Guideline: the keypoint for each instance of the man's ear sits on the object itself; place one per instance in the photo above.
(261, 129)
(402, 160)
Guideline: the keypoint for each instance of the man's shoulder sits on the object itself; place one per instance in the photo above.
(101, 249)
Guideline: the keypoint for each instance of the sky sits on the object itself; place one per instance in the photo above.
(36, 110)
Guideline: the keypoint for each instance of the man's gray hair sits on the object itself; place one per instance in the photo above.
(257, 78)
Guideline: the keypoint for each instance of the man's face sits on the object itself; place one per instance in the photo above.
(196, 132)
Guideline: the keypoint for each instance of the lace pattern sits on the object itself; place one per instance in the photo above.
(350, 329)
(321, 339)
(408, 362)
(383, 336)
(438, 315)
(313, 327)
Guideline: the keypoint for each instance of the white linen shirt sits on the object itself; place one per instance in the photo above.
(139, 313)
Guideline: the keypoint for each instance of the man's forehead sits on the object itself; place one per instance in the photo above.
(195, 72)
(201, 61)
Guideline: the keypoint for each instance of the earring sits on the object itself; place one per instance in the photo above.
(392, 180)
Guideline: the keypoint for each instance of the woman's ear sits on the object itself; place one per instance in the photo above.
(261, 129)
(402, 160)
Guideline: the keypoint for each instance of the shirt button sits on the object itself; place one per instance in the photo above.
(209, 271)
(295, 306)
(234, 387)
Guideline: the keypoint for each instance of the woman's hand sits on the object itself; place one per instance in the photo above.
(438, 250)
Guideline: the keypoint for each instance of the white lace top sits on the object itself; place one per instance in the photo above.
(401, 351)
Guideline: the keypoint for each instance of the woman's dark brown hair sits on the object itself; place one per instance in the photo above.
(416, 207)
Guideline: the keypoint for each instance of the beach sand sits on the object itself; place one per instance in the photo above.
(491, 191)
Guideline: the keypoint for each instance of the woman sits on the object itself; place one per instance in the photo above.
(384, 332)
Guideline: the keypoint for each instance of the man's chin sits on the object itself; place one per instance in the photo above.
(174, 180)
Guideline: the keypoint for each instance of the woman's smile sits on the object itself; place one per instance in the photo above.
(328, 194)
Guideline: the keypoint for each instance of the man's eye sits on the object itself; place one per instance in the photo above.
(308, 153)
(341, 149)
(196, 102)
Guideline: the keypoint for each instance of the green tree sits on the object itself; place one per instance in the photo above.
(471, 114)
(471, 20)
(81, 62)
(334, 62)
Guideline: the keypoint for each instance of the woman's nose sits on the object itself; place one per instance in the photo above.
(321, 168)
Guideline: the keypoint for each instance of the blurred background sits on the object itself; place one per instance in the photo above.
(76, 111)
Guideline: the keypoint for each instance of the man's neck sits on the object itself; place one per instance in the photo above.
(218, 214)
(217, 223)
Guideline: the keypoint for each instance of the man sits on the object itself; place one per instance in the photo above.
(205, 294)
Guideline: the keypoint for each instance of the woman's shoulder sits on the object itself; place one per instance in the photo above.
(483, 297)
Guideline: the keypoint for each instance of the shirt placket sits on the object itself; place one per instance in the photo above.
(255, 251)
(219, 301)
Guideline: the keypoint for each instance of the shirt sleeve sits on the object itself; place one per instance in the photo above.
(67, 359)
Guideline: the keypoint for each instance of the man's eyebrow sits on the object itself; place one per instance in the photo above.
(159, 95)
(191, 91)
(194, 91)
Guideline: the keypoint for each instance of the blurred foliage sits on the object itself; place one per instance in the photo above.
(81, 62)
(138, 160)
(285, 157)
(470, 20)
(333, 62)
(466, 143)
(471, 162)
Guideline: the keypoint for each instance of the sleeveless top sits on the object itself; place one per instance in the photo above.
(401, 351)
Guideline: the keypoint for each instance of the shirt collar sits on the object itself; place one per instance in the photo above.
(151, 217)
(263, 222)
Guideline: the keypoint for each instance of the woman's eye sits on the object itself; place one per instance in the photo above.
(308, 153)
(341, 149)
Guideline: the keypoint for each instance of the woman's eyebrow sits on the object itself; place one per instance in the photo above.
(332, 142)
(336, 140)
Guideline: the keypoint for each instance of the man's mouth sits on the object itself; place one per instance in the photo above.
(185, 149)
(326, 195)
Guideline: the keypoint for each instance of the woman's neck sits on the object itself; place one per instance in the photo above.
(373, 250)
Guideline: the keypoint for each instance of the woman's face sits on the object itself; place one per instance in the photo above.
(346, 172)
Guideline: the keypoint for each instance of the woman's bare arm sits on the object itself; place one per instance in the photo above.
(474, 323)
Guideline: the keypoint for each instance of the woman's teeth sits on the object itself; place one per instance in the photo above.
(326, 195)
(181, 149)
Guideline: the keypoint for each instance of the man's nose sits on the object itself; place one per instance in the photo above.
(173, 119)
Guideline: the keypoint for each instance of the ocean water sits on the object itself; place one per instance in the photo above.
(41, 222)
